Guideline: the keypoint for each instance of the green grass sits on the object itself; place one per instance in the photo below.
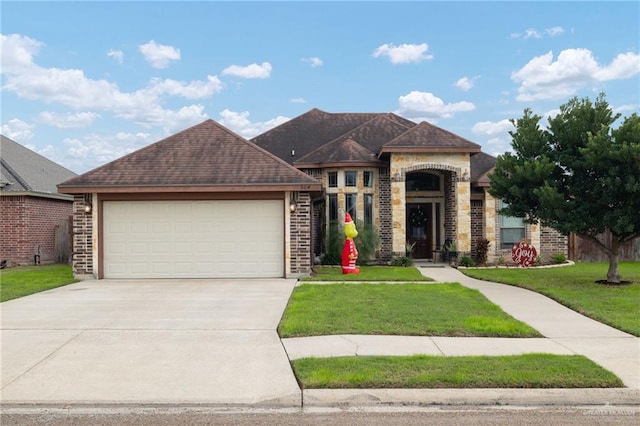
(517, 371)
(575, 287)
(396, 309)
(367, 273)
(25, 280)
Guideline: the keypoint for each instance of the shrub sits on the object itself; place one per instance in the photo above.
(466, 261)
(482, 249)
(333, 241)
(366, 242)
(404, 261)
(559, 258)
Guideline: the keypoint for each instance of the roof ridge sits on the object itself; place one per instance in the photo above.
(290, 122)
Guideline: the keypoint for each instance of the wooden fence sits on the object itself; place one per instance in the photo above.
(584, 250)
(63, 240)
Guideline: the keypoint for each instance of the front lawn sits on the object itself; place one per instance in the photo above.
(396, 309)
(575, 287)
(367, 273)
(25, 280)
(517, 371)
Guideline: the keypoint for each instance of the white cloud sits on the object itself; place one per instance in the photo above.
(16, 52)
(465, 83)
(554, 31)
(94, 150)
(191, 90)
(426, 105)
(118, 55)
(403, 54)
(159, 55)
(542, 78)
(250, 71)
(298, 100)
(314, 61)
(533, 33)
(490, 128)
(17, 130)
(239, 122)
(67, 120)
(71, 88)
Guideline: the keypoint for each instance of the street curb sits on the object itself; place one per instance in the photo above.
(460, 397)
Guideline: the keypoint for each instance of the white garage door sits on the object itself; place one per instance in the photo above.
(193, 239)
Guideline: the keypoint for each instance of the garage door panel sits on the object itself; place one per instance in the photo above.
(199, 239)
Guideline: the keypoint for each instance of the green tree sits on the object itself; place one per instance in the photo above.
(579, 175)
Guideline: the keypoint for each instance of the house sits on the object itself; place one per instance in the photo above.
(203, 203)
(414, 183)
(30, 206)
(206, 202)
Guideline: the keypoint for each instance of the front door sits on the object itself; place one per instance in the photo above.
(420, 229)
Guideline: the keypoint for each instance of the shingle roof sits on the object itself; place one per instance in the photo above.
(481, 165)
(311, 130)
(339, 152)
(22, 170)
(426, 137)
(207, 155)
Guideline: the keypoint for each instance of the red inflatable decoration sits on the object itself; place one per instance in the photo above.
(524, 254)
(349, 251)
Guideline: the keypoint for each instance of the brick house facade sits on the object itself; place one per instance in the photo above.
(30, 208)
(428, 187)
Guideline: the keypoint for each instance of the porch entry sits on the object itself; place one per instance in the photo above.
(421, 223)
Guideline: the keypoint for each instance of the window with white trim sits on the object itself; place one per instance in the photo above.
(512, 229)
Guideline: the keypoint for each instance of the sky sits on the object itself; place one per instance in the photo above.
(86, 82)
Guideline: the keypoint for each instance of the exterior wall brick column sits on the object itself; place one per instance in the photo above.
(300, 236)
(83, 238)
(384, 213)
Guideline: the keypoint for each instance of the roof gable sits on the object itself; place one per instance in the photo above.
(301, 135)
(206, 155)
(338, 152)
(426, 137)
(481, 165)
(24, 170)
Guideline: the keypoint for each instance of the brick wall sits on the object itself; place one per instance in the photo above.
(82, 237)
(477, 222)
(300, 234)
(28, 226)
(384, 213)
(552, 242)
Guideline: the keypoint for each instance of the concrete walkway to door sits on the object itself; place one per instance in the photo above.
(148, 342)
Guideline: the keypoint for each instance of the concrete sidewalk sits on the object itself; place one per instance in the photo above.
(566, 333)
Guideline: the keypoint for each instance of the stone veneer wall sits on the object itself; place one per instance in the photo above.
(82, 237)
(384, 213)
(449, 208)
(300, 236)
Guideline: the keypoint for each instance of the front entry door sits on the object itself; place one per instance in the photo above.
(420, 230)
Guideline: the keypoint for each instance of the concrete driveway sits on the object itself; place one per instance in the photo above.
(148, 341)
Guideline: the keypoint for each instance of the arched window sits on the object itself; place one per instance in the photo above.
(422, 181)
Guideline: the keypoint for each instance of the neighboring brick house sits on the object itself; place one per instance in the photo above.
(30, 206)
(414, 183)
